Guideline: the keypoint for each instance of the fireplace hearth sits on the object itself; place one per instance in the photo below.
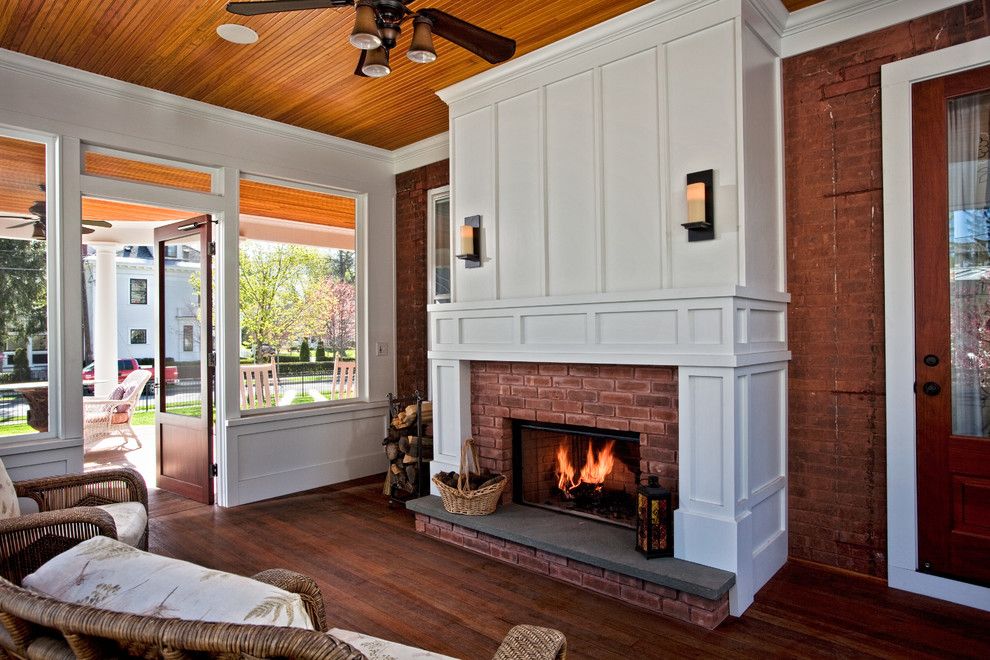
(577, 470)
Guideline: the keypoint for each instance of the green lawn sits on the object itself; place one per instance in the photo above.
(15, 428)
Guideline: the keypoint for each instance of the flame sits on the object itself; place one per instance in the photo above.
(594, 471)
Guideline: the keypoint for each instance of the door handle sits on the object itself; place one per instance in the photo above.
(931, 389)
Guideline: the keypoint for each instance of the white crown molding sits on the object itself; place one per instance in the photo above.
(65, 75)
(636, 20)
(833, 21)
(431, 150)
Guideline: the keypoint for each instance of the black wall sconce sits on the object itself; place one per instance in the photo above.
(700, 206)
(469, 242)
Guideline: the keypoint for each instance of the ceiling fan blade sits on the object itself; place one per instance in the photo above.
(17, 216)
(487, 45)
(23, 224)
(86, 230)
(278, 6)
(97, 223)
(359, 71)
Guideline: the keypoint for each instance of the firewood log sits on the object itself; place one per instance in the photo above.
(392, 451)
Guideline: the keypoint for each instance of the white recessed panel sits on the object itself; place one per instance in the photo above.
(487, 330)
(705, 326)
(473, 172)
(706, 410)
(765, 325)
(521, 232)
(765, 434)
(446, 331)
(631, 154)
(638, 327)
(572, 205)
(555, 329)
(768, 519)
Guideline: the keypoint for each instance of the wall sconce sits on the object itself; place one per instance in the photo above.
(469, 242)
(700, 206)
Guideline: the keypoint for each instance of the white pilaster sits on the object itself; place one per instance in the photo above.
(105, 319)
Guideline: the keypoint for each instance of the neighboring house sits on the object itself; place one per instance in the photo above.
(137, 299)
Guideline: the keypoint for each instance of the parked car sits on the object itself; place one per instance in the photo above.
(126, 365)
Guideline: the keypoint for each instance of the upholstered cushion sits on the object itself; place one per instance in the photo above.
(380, 649)
(131, 520)
(118, 393)
(105, 573)
(9, 507)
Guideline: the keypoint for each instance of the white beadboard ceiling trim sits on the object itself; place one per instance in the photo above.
(431, 150)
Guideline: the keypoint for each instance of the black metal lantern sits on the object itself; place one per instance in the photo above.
(654, 520)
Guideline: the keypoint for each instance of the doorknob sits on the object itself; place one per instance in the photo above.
(931, 389)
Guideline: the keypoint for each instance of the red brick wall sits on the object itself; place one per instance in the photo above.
(622, 398)
(834, 202)
(410, 273)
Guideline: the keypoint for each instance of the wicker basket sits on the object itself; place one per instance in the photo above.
(479, 502)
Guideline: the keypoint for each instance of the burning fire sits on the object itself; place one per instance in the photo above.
(594, 471)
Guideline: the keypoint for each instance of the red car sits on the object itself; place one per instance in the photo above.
(127, 365)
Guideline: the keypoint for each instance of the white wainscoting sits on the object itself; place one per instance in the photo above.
(714, 327)
(577, 162)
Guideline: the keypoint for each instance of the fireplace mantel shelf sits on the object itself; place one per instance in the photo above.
(595, 543)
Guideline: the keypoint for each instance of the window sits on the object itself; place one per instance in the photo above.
(139, 336)
(139, 292)
(25, 202)
(298, 295)
(188, 338)
(439, 255)
(171, 251)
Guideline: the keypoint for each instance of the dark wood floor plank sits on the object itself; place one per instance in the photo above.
(379, 577)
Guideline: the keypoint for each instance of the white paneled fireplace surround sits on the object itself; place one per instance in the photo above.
(575, 157)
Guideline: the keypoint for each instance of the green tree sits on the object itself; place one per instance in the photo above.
(304, 351)
(321, 351)
(22, 368)
(273, 284)
(23, 290)
(342, 265)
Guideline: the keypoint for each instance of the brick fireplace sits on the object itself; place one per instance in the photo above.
(641, 400)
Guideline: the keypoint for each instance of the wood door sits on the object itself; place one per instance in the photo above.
(184, 372)
(951, 126)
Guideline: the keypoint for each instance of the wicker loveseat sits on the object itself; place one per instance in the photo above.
(38, 626)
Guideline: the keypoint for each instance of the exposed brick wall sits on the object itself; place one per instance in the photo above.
(622, 398)
(633, 591)
(834, 197)
(411, 288)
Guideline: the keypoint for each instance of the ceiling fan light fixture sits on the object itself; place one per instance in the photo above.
(365, 35)
(421, 49)
(376, 63)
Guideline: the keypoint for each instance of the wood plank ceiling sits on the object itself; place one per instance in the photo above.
(301, 70)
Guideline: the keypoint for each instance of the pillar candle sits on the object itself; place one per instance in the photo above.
(466, 240)
(696, 202)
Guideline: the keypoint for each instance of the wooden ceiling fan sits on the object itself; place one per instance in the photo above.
(37, 215)
(377, 25)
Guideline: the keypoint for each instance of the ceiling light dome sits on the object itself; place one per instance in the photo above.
(365, 35)
(237, 34)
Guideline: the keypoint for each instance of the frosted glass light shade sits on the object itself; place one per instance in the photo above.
(421, 49)
(376, 63)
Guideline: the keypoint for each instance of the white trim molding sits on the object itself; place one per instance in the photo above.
(898, 231)
(425, 152)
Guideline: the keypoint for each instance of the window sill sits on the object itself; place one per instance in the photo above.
(349, 409)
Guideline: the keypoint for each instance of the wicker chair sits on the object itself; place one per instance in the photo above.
(67, 514)
(41, 627)
(103, 418)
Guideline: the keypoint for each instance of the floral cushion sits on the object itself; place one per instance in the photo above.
(117, 394)
(380, 649)
(106, 573)
(130, 518)
(9, 507)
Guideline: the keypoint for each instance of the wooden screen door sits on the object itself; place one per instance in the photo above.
(951, 129)
(184, 412)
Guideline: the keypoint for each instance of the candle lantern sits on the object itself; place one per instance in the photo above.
(469, 242)
(700, 193)
(654, 520)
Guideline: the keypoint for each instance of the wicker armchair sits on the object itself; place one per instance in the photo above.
(67, 515)
(37, 626)
(103, 418)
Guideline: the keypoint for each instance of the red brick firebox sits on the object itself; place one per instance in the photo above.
(615, 397)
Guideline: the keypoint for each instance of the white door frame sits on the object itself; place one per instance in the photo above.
(898, 243)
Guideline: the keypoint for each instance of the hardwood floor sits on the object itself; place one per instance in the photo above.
(379, 577)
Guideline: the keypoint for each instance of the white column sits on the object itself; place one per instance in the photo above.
(105, 318)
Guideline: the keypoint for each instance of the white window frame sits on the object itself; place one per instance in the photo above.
(54, 268)
(361, 342)
(433, 196)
